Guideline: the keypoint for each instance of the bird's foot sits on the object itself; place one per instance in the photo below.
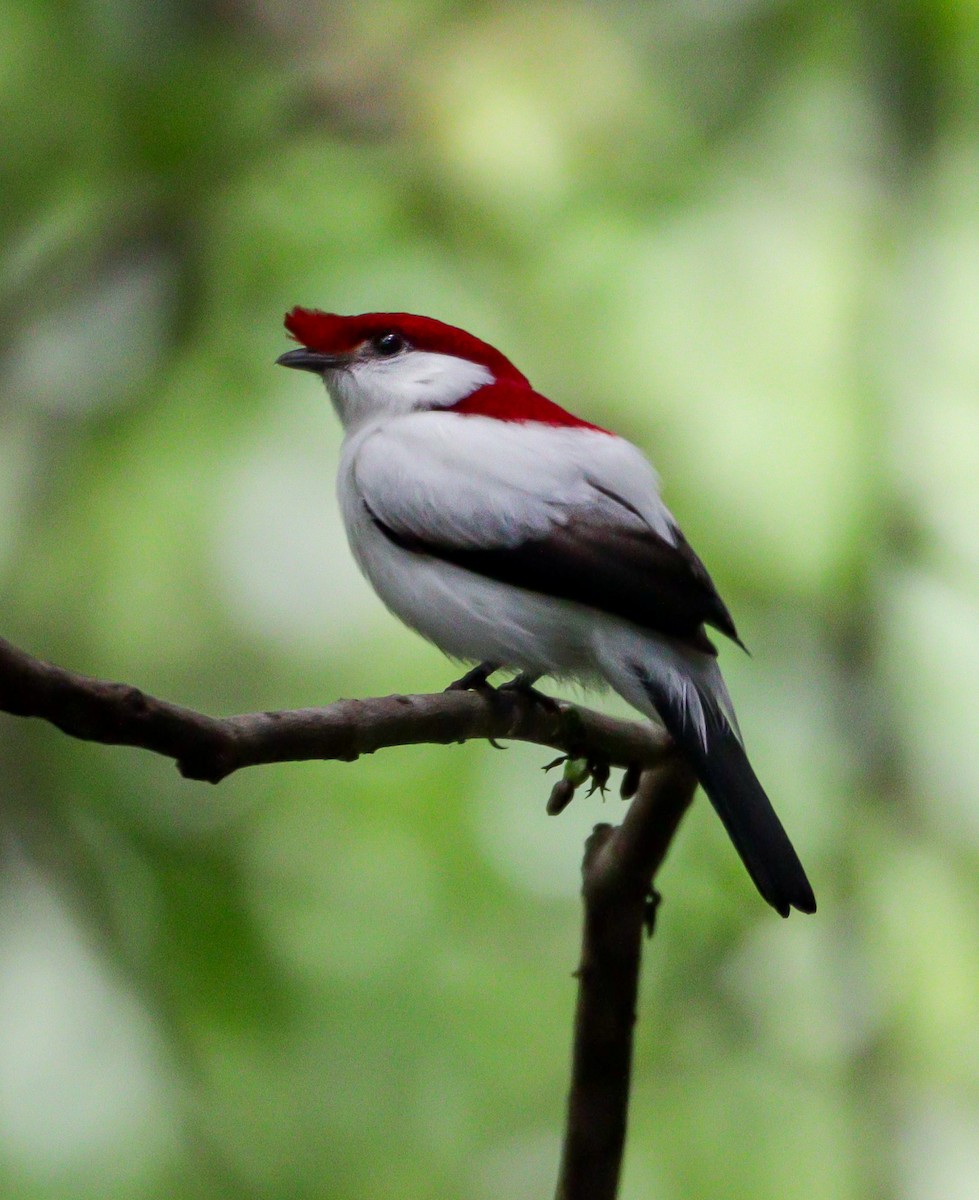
(476, 680)
(523, 685)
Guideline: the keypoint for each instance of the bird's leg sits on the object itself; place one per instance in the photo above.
(523, 685)
(475, 680)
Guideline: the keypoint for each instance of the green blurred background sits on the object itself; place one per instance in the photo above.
(744, 234)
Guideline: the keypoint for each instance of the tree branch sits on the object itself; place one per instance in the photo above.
(619, 867)
(211, 748)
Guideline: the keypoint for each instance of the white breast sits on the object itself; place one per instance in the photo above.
(468, 617)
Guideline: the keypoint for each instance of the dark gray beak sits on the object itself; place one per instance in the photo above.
(311, 360)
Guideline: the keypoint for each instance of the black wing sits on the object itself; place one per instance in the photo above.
(626, 570)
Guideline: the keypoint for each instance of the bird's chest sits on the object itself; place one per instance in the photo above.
(398, 576)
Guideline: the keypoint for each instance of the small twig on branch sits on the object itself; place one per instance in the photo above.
(211, 748)
(619, 867)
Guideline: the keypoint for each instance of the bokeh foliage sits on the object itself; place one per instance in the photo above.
(745, 234)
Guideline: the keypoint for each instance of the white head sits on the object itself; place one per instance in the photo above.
(383, 364)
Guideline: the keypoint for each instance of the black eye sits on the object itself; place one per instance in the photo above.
(388, 343)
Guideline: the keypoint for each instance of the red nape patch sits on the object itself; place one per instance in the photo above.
(520, 403)
(331, 333)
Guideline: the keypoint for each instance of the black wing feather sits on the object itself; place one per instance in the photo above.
(626, 570)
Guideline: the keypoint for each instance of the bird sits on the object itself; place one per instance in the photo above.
(515, 535)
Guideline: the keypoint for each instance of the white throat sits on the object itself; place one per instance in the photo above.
(414, 381)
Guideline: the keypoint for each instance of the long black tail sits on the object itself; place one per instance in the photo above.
(739, 800)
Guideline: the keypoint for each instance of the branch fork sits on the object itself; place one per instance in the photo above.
(620, 862)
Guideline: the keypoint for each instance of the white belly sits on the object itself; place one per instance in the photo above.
(469, 617)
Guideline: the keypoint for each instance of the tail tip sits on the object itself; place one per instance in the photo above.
(804, 901)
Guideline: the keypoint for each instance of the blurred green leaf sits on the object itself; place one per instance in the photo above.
(742, 234)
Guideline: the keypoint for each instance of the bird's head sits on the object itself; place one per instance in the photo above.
(383, 364)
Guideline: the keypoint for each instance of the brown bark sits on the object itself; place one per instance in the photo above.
(619, 866)
(211, 748)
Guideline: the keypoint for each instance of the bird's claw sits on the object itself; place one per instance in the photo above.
(523, 686)
(476, 680)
